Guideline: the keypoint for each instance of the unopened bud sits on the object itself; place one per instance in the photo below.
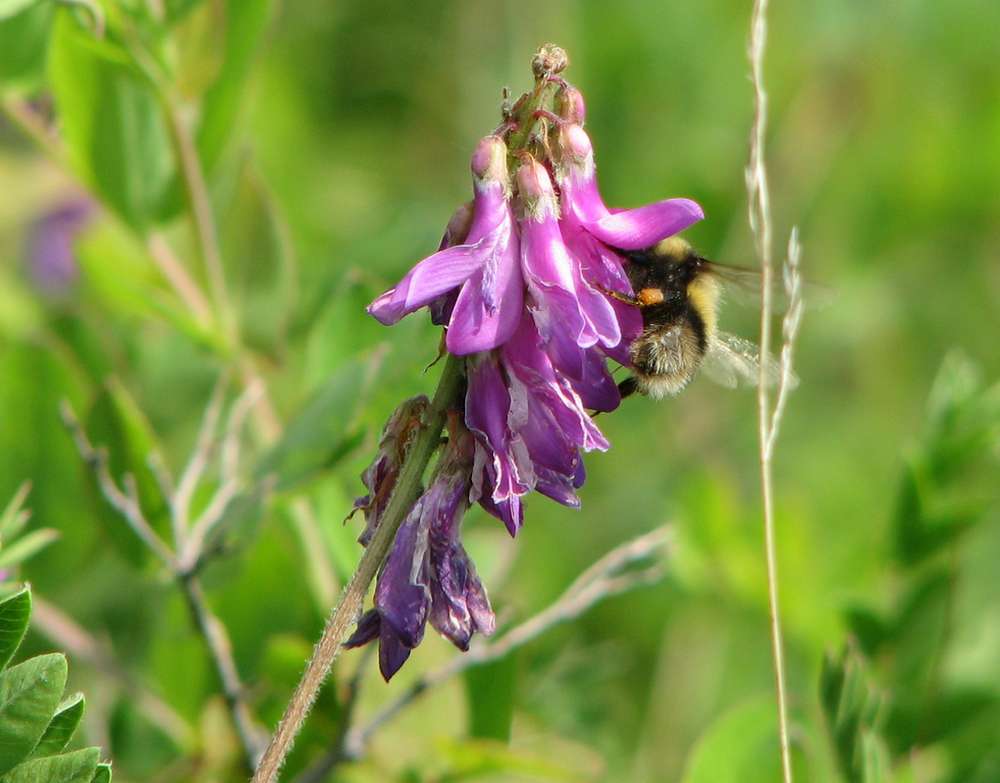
(549, 60)
(489, 161)
(536, 191)
(533, 180)
(570, 105)
(576, 143)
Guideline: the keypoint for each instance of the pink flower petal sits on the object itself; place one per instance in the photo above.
(635, 229)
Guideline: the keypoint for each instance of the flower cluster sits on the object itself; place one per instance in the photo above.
(522, 283)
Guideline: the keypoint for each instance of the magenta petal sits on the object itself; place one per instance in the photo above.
(489, 306)
(634, 229)
(443, 271)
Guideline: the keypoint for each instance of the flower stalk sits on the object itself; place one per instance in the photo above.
(347, 610)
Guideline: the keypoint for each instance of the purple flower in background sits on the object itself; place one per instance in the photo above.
(521, 281)
(50, 255)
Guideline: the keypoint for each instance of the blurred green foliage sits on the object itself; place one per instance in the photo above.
(335, 140)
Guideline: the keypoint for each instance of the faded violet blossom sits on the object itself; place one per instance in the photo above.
(428, 575)
(380, 477)
(522, 283)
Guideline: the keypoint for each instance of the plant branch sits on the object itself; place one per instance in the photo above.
(70, 636)
(345, 614)
(604, 579)
(252, 738)
(319, 770)
(760, 224)
(126, 502)
(183, 284)
(200, 208)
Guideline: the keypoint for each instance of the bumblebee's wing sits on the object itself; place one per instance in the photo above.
(743, 285)
(733, 361)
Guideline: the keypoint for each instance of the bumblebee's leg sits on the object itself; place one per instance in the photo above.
(626, 298)
(628, 387)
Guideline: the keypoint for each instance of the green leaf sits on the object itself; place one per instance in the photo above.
(15, 516)
(853, 713)
(29, 696)
(740, 747)
(490, 697)
(26, 547)
(11, 7)
(61, 728)
(245, 22)
(120, 277)
(77, 767)
(14, 614)
(103, 774)
(486, 759)
(875, 764)
(321, 434)
(24, 39)
(111, 120)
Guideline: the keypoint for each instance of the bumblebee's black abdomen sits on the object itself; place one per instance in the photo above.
(669, 351)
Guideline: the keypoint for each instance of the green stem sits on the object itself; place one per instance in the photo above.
(345, 613)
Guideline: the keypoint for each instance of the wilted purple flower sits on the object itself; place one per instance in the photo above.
(51, 257)
(380, 477)
(522, 281)
(428, 575)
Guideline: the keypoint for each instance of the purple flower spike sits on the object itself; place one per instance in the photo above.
(483, 269)
(524, 280)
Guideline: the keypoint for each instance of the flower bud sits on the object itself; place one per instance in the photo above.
(489, 161)
(535, 188)
(577, 149)
(549, 60)
(570, 105)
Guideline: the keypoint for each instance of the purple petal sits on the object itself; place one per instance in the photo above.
(368, 629)
(634, 229)
(558, 487)
(501, 462)
(401, 594)
(490, 303)
(434, 276)
(392, 653)
(510, 512)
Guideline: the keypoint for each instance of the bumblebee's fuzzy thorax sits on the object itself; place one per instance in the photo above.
(703, 295)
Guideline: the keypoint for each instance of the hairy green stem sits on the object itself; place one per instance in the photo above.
(345, 613)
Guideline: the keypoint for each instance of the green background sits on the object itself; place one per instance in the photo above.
(336, 139)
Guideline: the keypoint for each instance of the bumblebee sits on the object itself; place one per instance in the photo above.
(678, 293)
